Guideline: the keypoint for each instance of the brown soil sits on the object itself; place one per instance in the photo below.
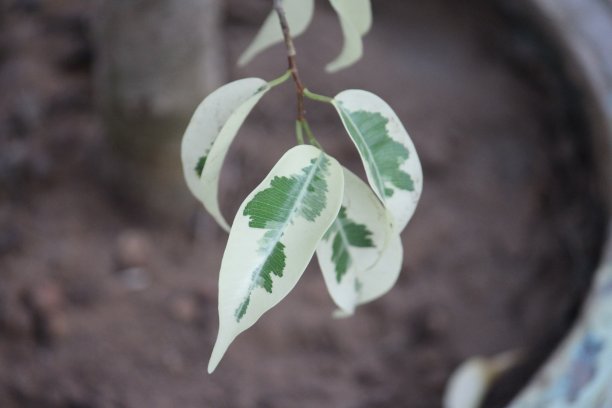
(101, 308)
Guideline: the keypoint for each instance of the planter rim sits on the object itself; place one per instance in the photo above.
(579, 373)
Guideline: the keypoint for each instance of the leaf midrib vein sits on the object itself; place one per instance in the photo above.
(283, 226)
(377, 176)
(346, 242)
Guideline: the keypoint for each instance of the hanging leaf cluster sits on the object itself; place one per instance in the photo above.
(308, 203)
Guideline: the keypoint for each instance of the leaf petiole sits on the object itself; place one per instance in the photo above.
(317, 97)
(311, 139)
(281, 79)
(299, 132)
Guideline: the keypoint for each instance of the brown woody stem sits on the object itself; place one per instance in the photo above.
(299, 86)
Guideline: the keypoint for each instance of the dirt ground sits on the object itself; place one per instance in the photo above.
(101, 307)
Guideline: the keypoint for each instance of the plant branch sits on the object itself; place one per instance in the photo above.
(299, 86)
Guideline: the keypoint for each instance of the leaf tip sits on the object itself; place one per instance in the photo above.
(332, 68)
(244, 59)
(341, 63)
(225, 226)
(217, 354)
(343, 313)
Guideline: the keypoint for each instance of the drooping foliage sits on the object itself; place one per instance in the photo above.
(308, 203)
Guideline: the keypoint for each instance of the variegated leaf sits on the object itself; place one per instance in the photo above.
(209, 135)
(358, 259)
(387, 152)
(273, 237)
(355, 20)
(299, 15)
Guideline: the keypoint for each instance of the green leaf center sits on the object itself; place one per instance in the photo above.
(274, 209)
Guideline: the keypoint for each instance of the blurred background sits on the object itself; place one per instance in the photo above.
(108, 267)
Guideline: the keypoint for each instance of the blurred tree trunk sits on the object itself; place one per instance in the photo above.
(157, 60)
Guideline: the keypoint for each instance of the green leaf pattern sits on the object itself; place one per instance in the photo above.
(387, 152)
(300, 195)
(199, 168)
(359, 254)
(306, 203)
(347, 233)
(383, 154)
(273, 238)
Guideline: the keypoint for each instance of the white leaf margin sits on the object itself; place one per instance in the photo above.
(403, 204)
(373, 271)
(240, 256)
(355, 21)
(381, 277)
(210, 132)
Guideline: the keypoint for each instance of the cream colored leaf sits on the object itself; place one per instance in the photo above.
(299, 15)
(355, 21)
(209, 135)
(380, 278)
(390, 159)
(273, 237)
(357, 258)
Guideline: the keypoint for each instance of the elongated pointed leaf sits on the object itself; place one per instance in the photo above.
(299, 15)
(387, 152)
(273, 237)
(355, 20)
(210, 134)
(358, 260)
